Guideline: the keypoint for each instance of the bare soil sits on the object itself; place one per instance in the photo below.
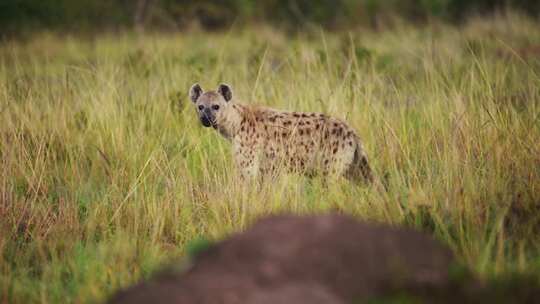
(304, 259)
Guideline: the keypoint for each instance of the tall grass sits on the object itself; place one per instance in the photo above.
(106, 172)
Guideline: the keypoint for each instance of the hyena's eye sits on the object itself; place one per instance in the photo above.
(215, 107)
(201, 107)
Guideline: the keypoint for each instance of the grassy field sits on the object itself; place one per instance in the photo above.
(106, 173)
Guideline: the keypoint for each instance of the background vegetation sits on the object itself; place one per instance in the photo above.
(106, 172)
(19, 16)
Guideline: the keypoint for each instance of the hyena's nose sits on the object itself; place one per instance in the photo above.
(207, 112)
(207, 118)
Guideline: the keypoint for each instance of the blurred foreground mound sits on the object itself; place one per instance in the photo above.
(320, 259)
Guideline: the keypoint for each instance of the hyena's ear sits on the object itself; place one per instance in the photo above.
(225, 91)
(195, 92)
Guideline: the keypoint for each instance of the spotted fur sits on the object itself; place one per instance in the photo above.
(266, 140)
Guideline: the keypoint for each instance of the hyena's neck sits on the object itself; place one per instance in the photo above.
(229, 124)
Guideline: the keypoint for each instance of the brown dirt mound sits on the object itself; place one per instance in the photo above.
(303, 259)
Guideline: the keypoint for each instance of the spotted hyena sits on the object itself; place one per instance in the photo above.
(266, 140)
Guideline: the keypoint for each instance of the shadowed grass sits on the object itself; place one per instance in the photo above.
(106, 172)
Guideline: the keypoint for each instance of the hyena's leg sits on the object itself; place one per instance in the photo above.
(246, 163)
(269, 172)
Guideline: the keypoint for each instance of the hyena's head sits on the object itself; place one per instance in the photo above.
(211, 105)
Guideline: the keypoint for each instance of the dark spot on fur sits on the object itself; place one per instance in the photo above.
(301, 132)
(334, 151)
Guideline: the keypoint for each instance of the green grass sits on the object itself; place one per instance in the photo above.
(106, 174)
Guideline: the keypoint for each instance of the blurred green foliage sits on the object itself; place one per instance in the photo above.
(18, 16)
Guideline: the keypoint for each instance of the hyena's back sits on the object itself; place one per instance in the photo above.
(309, 142)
